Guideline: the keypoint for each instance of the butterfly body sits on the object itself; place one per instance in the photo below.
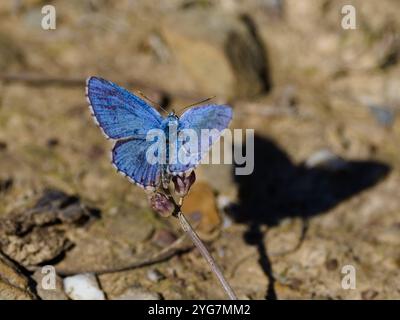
(124, 117)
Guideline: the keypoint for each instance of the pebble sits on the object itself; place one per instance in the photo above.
(223, 202)
(155, 275)
(138, 293)
(83, 287)
(326, 159)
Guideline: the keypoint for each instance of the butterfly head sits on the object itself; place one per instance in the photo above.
(172, 120)
(172, 116)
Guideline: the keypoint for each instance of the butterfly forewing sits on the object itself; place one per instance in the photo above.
(119, 113)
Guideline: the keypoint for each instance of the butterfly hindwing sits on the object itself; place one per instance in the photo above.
(129, 158)
(119, 113)
(211, 117)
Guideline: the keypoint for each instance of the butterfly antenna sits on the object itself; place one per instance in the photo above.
(196, 103)
(150, 100)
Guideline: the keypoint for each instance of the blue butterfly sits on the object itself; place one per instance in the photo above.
(124, 117)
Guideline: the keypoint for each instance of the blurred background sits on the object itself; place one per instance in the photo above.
(323, 102)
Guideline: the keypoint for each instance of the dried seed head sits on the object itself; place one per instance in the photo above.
(160, 203)
(183, 184)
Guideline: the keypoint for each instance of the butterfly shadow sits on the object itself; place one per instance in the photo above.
(279, 188)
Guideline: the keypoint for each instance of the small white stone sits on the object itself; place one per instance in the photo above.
(223, 202)
(83, 287)
(155, 275)
(326, 159)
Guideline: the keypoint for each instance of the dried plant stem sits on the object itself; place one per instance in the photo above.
(206, 254)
